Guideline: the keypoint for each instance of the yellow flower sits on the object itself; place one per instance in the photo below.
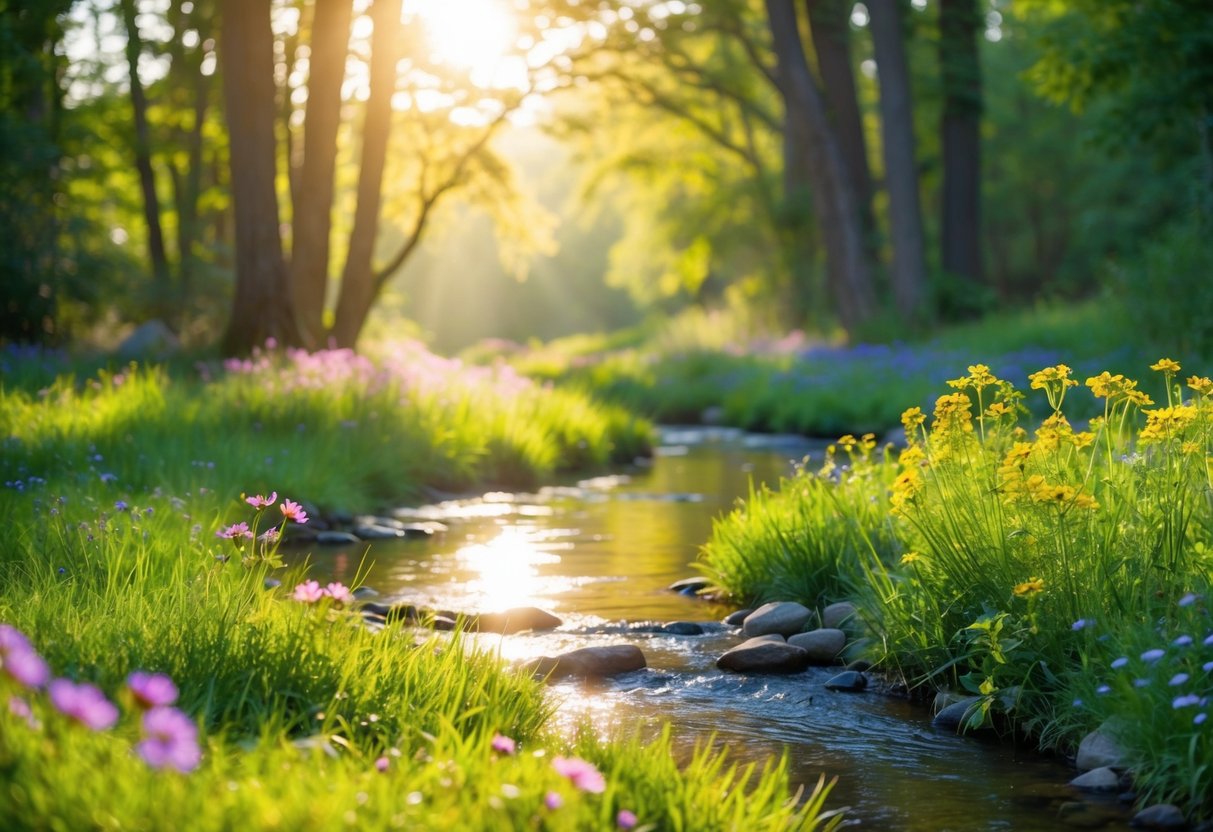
(910, 557)
(978, 378)
(998, 410)
(1167, 422)
(1201, 384)
(847, 442)
(912, 418)
(1165, 365)
(952, 412)
(1086, 501)
(1190, 447)
(1052, 376)
(1083, 439)
(911, 456)
(1030, 587)
(1105, 385)
(986, 687)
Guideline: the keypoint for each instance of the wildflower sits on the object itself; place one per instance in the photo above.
(1153, 655)
(1189, 599)
(309, 592)
(1185, 701)
(1082, 624)
(235, 531)
(270, 535)
(625, 819)
(1182, 641)
(1202, 385)
(1030, 587)
(121, 505)
(1051, 377)
(912, 419)
(503, 744)
(910, 557)
(998, 410)
(553, 800)
(1119, 663)
(381, 765)
(1141, 683)
(1207, 667)
(339, 592)
(19, 708)
(953, 413)
(1166, 365)
(1103, 689)
(19, 659)
(1208, 642)
(1178, 679)
(1077, 703)
(83, 703)
(293, 511)
(583, 775)
(259, 502)
(1199, 719)
(152, 690)
(170, 740)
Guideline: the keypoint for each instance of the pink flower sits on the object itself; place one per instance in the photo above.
(83, 703)
(26, 667)
(583, 775)
(152, 690)
(309, 592)
(234, 531)
(382, 764)
(259, 502)
(553, 800)
(19, 708)
(293, 511)
(270, 535)
(12, 639)
(503, 744)
(625, 819)
(339, 592)
(170, 740)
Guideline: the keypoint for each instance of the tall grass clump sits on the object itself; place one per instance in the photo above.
(806, 541)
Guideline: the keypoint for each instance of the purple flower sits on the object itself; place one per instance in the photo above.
(1102, 689)
(382, 764)
(309, 592)
(1119, 663)
(83, 703)
(19, 708)
(152, 690)
(1082, 624)
(12, 639)
(170, 740)
(503, 744)
(1153, 655)
(235, 531)
(553, 800)
(1182, 641)
(293, 511)
(1178, 679)
(1185, 701)
(270, 535)
(121, 505)
(1207, 667)
(26, 667)
(583, 775)
(625, 819)
(1199, 718)
(339, 592)
(259, 502)
(1189, 599)
(1141, 683)
(1208, 642)
(1077, 703)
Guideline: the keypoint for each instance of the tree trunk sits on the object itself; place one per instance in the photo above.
(837, 211)
(262, 306)
(909, 266)
(830, 25)
(358, 284)
(312, 216)
(960, 133)
(143, 164)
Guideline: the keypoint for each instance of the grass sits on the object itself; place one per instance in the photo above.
(113, 490)
(1018, 558)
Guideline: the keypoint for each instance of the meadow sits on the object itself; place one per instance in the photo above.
(156, 674)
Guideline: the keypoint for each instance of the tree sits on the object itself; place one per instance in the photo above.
(908, 267)
(263, 306)
(838, 217)
(960, 24)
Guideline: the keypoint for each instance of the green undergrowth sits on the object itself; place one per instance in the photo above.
(1059, 573)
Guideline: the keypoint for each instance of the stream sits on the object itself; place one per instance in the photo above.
(603, 551)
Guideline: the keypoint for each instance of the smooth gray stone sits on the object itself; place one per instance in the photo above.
(327, 538)
(736, 619)
(849, 681)
(1160, 816)
(822, 646)
(514, 620)
(954, 716)
(690, 586)
(1101, 779)
(367, 531)
(764, 655)
(682, 628)
(784, 617)
(835, 615)
(595, 662)
(1099, 749)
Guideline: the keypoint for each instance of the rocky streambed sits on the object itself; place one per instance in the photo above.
(585, 572)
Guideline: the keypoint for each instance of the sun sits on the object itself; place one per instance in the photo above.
(476, 35)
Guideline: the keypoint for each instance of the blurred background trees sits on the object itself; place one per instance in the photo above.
(306, 169)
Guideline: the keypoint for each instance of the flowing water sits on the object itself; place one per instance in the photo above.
(602, 552)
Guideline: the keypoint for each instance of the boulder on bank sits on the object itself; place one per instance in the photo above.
(822, 646)
(1160, 816)
(849, 681)
(1102, 779)
(736, 619)
(590, 662)
(682, 628)
(1099, 749)
(836, 615)
(764, 654)
(954, 716)
(783, 617)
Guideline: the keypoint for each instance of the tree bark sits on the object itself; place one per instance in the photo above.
(830, 26)
(143, 164)
(909, 266)
(837, 210)
(960, 133)
(358, 284)
(262, 306)
(311, 222)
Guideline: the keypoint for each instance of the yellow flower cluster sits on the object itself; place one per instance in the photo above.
(953, 413)
(1052, 377)
(1030, 587)
(979, 377)
(1201, 384)
(1167, 423)
(907, 484)
(912, 419)
(1166, 365)
(1113, 387)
